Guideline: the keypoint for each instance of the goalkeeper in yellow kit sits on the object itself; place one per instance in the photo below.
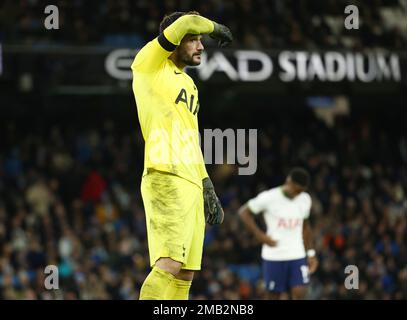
(177, 192)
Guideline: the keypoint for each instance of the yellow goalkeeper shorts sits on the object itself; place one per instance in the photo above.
(175, 218)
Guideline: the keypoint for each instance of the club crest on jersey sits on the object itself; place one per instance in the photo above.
(183, 97)
(288, 223)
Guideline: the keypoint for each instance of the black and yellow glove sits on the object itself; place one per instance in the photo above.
(212, 206)
(222, 34)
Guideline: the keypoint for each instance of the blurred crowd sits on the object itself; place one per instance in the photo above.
(263, 24)
(70, 197)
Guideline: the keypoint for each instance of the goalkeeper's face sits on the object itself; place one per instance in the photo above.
(190, 50)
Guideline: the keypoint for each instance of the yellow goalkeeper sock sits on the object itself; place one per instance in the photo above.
(178, 290)
(156, 285)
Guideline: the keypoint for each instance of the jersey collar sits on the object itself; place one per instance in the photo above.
(175, 66)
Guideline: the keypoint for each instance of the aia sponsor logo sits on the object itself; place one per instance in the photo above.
(289, 223)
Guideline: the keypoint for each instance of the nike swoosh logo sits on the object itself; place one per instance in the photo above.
(177, 72)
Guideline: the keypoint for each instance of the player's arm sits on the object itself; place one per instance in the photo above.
(153, 54)
(309, 246)
(246, 215)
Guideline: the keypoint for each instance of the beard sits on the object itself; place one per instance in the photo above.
(189, 60)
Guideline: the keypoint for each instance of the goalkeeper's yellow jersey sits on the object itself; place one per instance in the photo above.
(167, 104)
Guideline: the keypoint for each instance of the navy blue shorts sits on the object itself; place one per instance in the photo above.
(281, 276)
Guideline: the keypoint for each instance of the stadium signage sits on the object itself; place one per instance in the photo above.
(118, 62)
(304, 66)
(286, 66)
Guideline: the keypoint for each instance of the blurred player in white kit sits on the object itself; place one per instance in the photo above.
(287, 253)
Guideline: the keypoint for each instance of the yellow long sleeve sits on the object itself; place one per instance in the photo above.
(153, 54)
(188, 24)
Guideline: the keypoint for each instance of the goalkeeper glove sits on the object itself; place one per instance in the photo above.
(212, 207)
(222, 34)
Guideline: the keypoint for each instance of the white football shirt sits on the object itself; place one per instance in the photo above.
(284, 218)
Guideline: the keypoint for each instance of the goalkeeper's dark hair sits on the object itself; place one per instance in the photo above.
(170, 18)
(300, 176)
